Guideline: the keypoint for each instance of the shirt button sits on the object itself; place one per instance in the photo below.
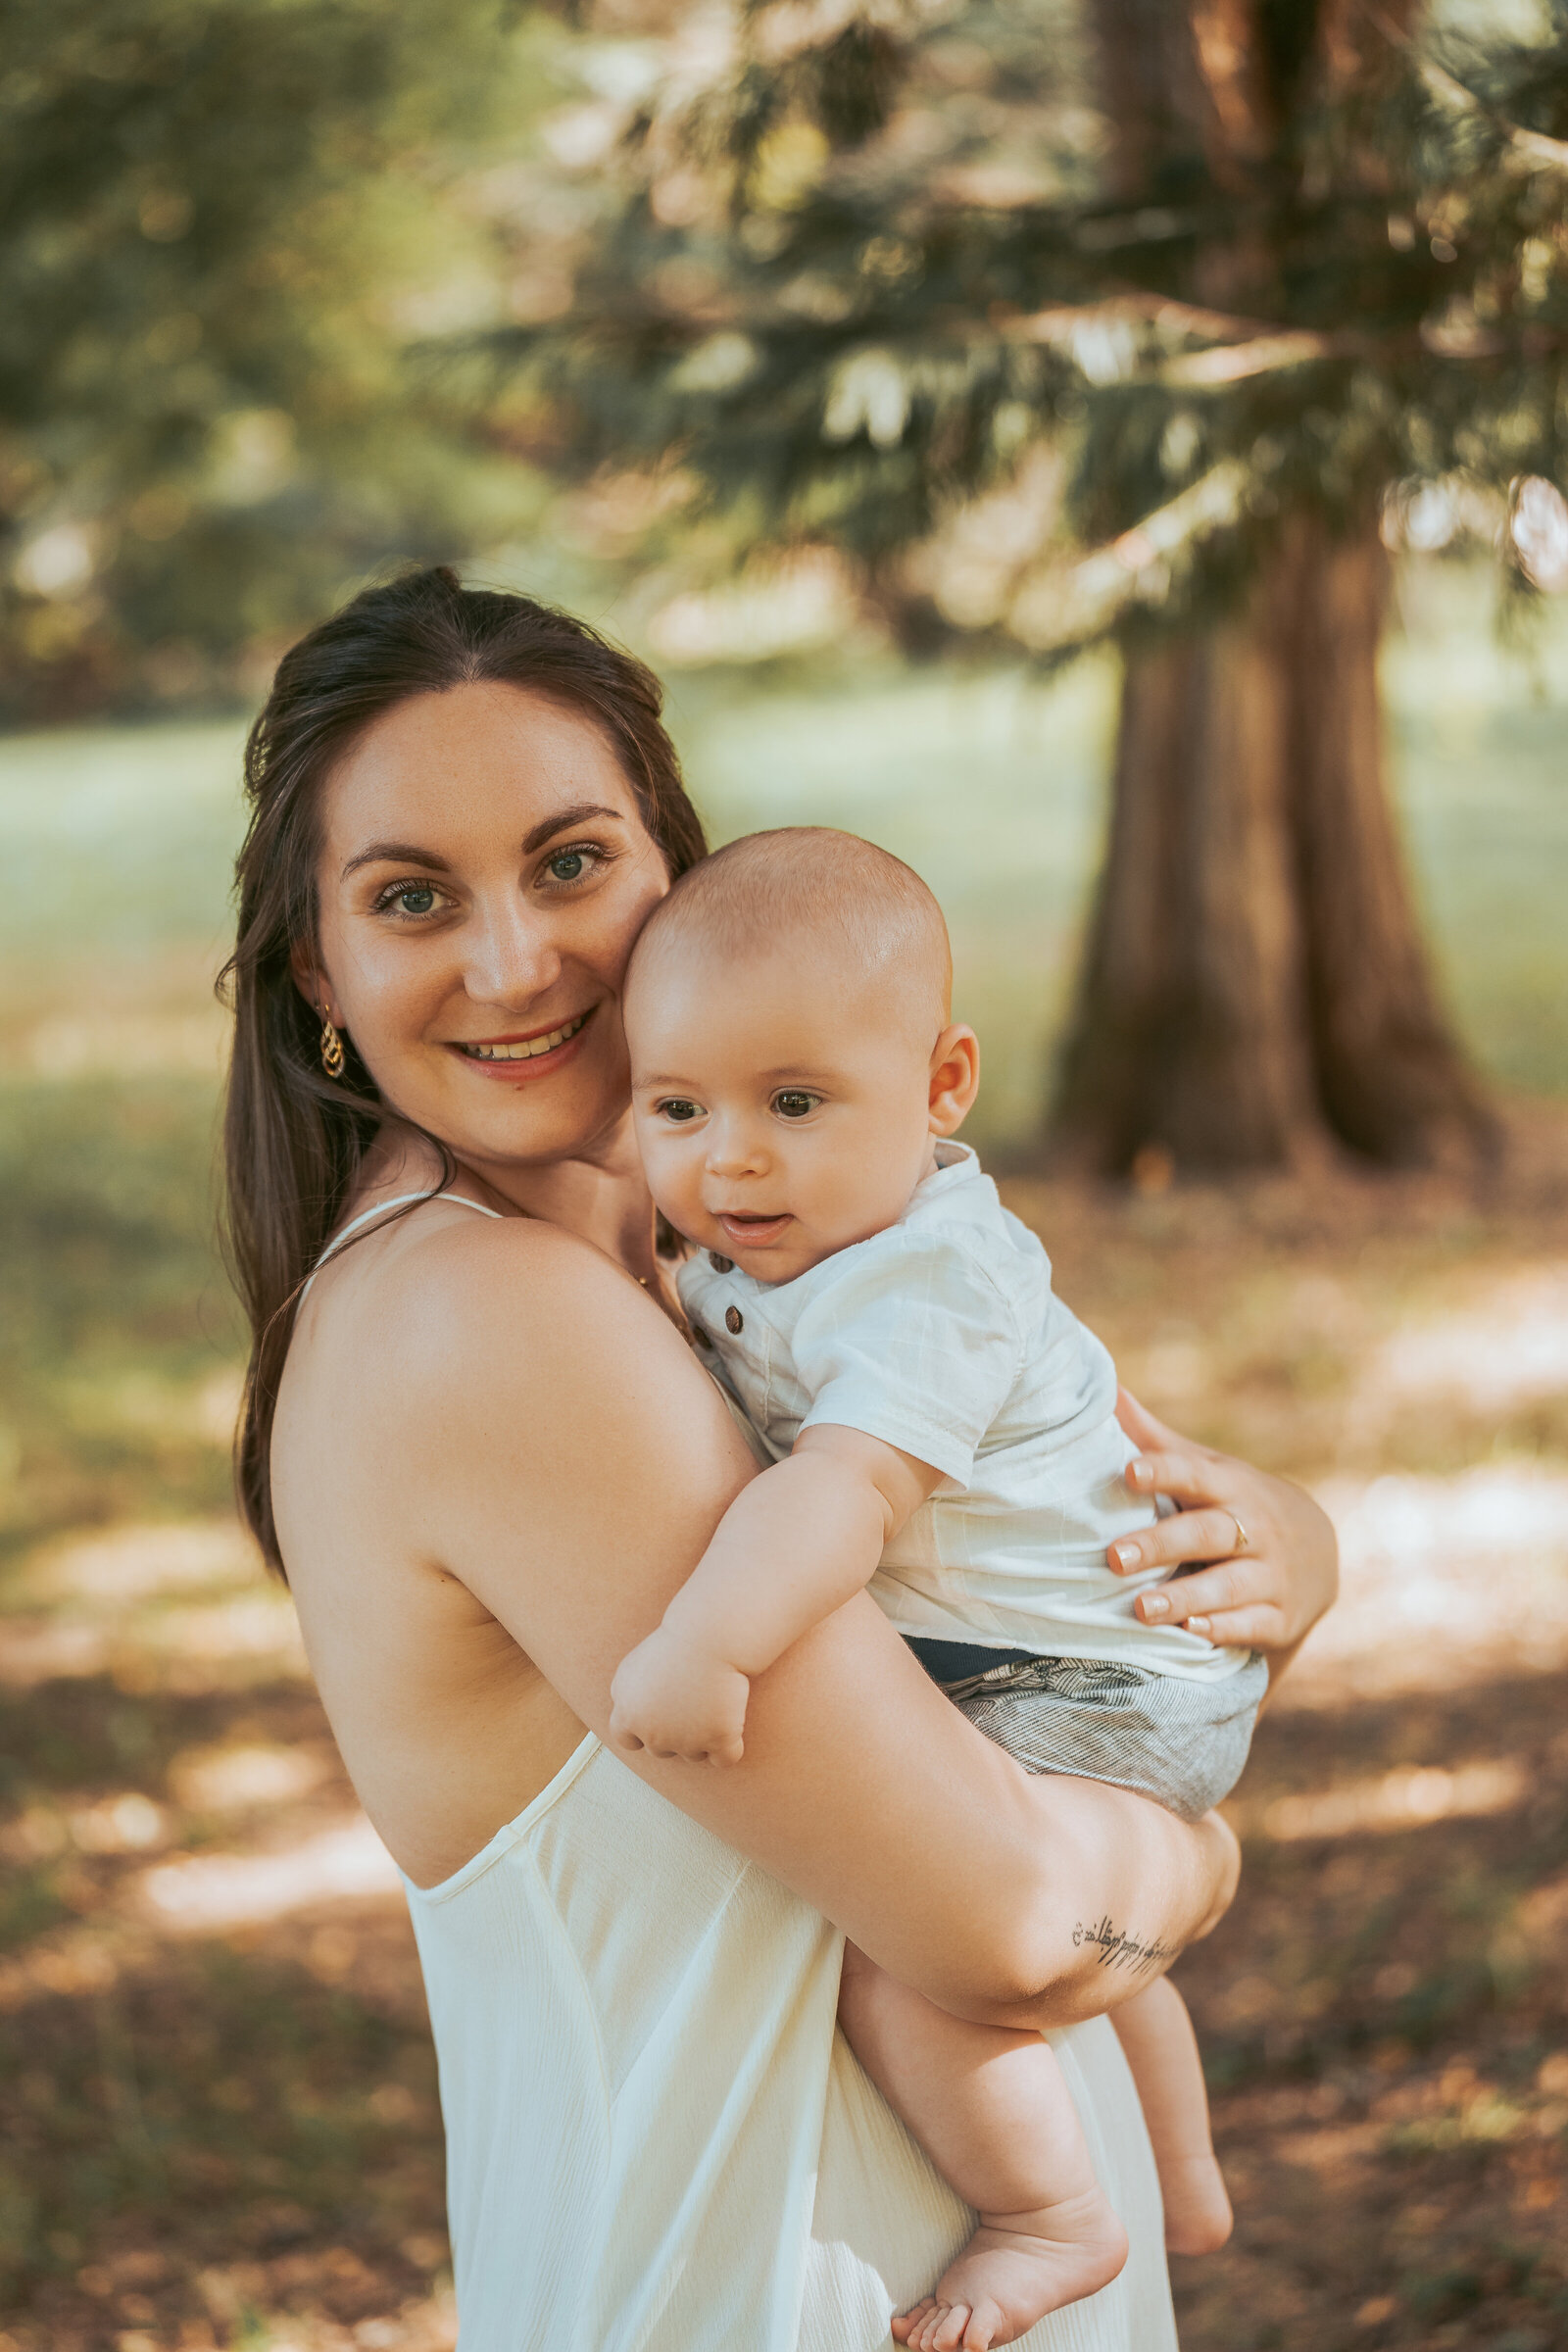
(734, 1321)
(721, 1265)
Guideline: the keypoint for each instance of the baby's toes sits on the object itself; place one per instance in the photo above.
(984, 2320)
(925, 2338)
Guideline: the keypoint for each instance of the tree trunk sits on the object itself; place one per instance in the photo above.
(1254, 990)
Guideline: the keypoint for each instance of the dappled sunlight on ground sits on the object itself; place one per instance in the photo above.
(228, 1891)
(178, 1607)
(1507, 1347)
(221, 2126)
(217, 2116)
(1446, 1582)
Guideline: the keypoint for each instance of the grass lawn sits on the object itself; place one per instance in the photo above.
(218, 2121)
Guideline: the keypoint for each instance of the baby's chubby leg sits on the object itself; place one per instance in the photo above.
(1161, 2049)
(993, 2111)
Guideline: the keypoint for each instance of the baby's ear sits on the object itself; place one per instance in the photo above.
(955, 1078)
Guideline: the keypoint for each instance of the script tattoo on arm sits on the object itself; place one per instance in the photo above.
(1119, 1947)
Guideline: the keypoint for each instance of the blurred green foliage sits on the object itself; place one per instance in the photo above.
(864, 270)
(226, 225)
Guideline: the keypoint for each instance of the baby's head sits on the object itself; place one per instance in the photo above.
(791, 1057)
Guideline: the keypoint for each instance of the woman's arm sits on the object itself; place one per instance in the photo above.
(795, 1545)
(1267, 1595)
(566, 1458)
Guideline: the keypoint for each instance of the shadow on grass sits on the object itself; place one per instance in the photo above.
(117, 1315)
(1383, 2019)
(218, 2132)
(233, 2140)
(198, 2132)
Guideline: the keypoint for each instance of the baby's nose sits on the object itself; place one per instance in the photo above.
(734, 1152)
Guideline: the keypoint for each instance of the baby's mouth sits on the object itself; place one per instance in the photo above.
(525, 1049)
(749, 1231)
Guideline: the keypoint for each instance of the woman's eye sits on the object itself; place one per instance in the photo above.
(679, 1111)
(569, 865)
(412, 899)
(794, 1104)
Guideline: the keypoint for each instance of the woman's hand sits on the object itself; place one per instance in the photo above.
(1274, 1554)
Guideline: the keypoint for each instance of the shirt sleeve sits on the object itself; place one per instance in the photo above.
(912, 1342)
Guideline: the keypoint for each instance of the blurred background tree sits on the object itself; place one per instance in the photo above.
(1227, 291)
(225, 223)
(1013, 325)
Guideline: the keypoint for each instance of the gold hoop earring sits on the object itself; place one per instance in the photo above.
(331, 1050)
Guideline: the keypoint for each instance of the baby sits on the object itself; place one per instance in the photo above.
(948, 1440)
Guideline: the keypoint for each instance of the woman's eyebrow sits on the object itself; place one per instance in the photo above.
(395, 852)
(579, 815)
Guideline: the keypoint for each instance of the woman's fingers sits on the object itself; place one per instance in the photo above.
(1191, 1534)
(1268, 1537)
(1258, 1627)
(1245, 1583)
(1187, 1477)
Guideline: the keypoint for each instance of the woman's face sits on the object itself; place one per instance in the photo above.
(484, 875)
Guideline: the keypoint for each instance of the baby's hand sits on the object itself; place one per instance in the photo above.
(678, 1701)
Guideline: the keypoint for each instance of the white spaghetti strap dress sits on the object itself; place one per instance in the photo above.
(656, 2141)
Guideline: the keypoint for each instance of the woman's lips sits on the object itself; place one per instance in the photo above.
(522, 1057)
(754, 1233)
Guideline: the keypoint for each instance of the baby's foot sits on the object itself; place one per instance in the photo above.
(1198, 2212)
(1017, 2267)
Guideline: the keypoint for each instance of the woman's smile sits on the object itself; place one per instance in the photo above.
(530, 1056)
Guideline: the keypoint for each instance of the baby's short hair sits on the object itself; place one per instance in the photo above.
(810, 880)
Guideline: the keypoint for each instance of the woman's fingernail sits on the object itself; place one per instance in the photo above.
(1198, 1625)
(1142, 1474)
(1156, 1605)
(1128, 1555)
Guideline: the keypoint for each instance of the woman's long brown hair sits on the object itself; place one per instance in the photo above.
(294, 1139)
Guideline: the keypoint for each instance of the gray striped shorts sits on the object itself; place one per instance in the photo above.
(1183, 1744)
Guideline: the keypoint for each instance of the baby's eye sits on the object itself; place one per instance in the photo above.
(795, 1103)
(679, 1110)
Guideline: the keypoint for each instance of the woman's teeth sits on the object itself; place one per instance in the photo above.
(527, 1048)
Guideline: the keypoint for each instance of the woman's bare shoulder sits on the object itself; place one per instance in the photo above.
(477, 1323)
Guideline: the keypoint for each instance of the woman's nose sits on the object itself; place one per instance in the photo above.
(512, 956)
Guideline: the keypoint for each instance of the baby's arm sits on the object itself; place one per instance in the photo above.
(794, 1545)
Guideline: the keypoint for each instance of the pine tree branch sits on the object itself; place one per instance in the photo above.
(1234, 363)
(1531, 148)
(1162, 311)
(1069, 606)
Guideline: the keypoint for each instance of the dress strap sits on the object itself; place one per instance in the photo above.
(398, 1200)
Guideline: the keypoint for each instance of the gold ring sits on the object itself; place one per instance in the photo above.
(1243, 1541)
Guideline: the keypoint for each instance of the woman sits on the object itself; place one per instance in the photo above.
(477, 1439)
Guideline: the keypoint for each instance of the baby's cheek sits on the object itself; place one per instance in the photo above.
(677, 1189)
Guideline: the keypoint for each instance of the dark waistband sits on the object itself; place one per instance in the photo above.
(955, 1661)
